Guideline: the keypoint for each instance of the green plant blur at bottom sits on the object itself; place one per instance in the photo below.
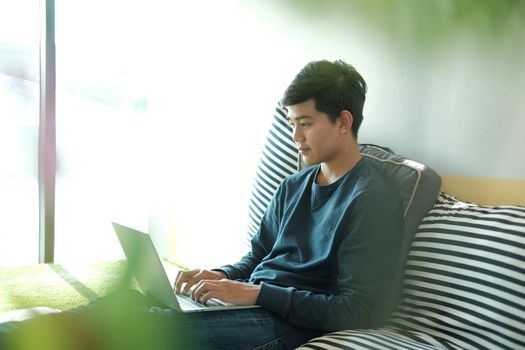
(114, 325)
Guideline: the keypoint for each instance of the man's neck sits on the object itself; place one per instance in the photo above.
(333, 170)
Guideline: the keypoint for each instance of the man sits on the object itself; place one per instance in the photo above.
(324, 256)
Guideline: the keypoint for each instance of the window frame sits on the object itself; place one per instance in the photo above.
(47, 133)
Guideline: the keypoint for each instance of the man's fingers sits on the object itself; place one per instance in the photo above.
(189, 284)
(225, 290)
(183, 277)
(207, 296)
(187, 279)
(204, 290)
(178, 282)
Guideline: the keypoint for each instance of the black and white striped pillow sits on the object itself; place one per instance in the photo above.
(279, 159)
(369, 339)
(465, 277)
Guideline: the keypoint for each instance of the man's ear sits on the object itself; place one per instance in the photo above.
(346, 120)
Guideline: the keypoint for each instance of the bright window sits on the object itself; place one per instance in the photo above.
(102, 121)
(19, 120)
(161, 112)
(160, 121)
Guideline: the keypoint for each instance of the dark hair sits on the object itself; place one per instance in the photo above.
(334, 86)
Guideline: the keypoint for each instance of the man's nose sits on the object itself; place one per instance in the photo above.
(297, 134)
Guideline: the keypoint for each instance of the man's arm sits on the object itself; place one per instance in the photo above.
(205, 284)
(261, 243)
(223, 288)
(235, 292)
(261, 246)
(220, 284)
(367, 259)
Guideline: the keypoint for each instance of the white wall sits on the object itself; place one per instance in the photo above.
(446, 78)
(215, 71)
(445, 87)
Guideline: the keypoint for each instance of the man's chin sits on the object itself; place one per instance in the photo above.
(308, 161)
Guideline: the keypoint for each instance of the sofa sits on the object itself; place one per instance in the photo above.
(464, 275)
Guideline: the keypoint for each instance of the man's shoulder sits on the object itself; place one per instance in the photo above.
(368, 181)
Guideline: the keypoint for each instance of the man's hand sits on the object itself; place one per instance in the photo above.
(192, 277)
(226, 290)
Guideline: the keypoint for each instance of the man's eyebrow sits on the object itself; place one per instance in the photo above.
(299, 118)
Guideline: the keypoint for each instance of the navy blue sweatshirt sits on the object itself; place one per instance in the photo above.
(325, 256)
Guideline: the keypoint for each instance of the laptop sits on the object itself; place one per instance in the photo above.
(147, 269)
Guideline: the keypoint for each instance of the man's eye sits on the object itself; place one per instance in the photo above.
(305, 125)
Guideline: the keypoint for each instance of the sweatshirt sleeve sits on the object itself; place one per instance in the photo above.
(366, 260)
(261, 243)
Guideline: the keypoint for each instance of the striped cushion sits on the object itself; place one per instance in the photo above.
(464, 284)
(369, 339)
(280, 158)
(465, 277)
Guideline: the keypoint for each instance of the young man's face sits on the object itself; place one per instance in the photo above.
(316, 136)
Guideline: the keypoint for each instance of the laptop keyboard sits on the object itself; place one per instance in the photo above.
(186, 300)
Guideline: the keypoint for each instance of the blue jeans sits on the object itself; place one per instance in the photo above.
(129, 320)
(233, 329)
